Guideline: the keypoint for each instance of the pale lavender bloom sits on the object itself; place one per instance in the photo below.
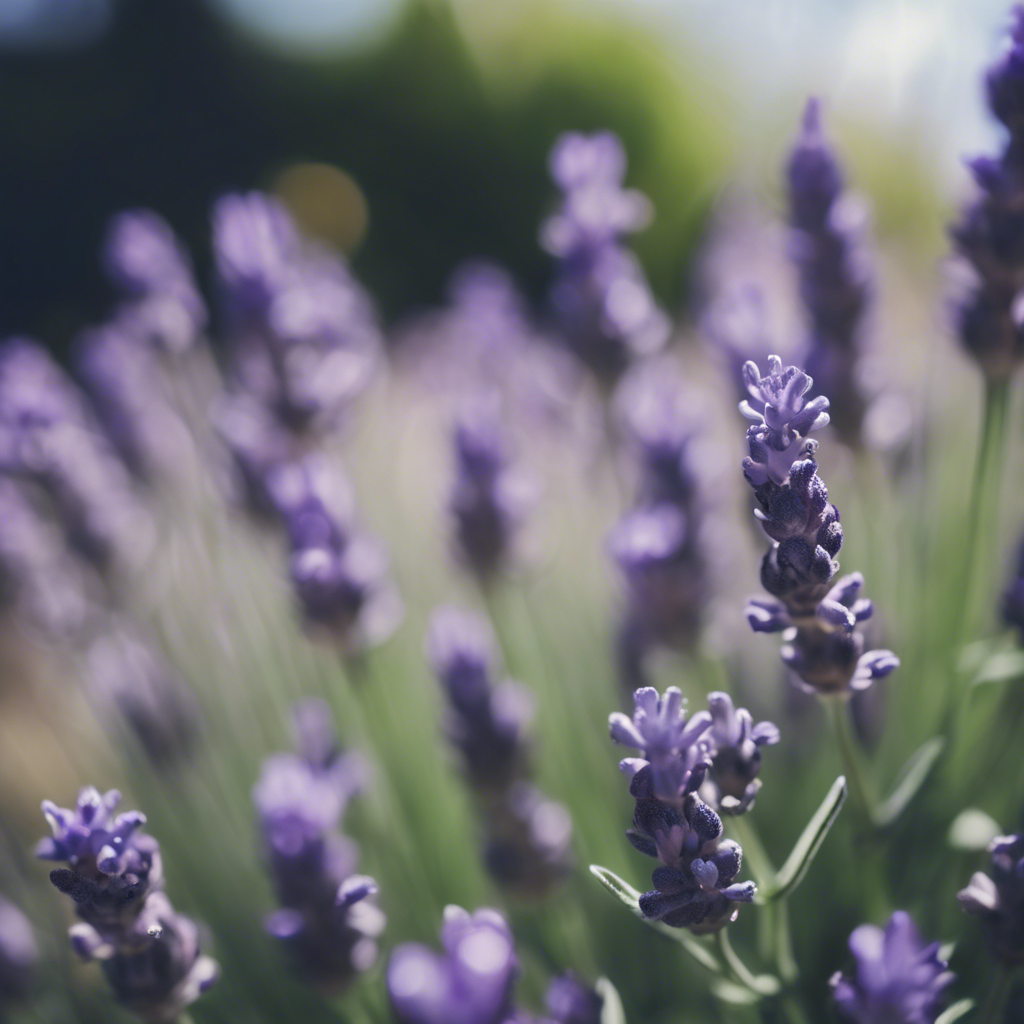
(998, 898)
(470, 982)
(328, 919)
(601, 301)
(898, 978)
(150, 954)
(570, 1000)
(19, 955)
(676, 748)
(732, 784)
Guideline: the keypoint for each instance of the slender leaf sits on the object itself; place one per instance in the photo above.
(791, 874)
(911, 778)
(955, 1012)
(1002, 667)
(629, 896)
(735, 995)
(611, 1007)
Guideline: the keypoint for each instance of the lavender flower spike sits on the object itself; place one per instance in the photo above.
(988, 235)
(998, 898)
(150, 954)
(676, 749)
(469, 983)
(897, 979)
(732, 784)
(818, 618)
(828, 250)
(19, 955)
(328, 920)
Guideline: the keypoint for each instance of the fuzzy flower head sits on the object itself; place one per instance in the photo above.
(1005, 80)
(732, 782)
(815, 178)
(898, 978)
(676, 748)
(782, 418)
(998, 898)
(470, 982)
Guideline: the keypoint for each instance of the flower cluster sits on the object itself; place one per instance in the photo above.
(489, 498)
(998, 898)
(150, 953)
(527, 836)
(19, 955)
(471, 982)
(828, 250)
(339, 573)
(328, 919)
(695, 887)
(988, 235)
(898, 977)
(657, 544)
(819, 618)
(601, 301)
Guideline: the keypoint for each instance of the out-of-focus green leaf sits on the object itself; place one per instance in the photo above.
(1001, 667)
(973, 830)
(629, 896)
(955, 1012)
(791, 874)
(735, 995)
(911, 778)
(611, 1009)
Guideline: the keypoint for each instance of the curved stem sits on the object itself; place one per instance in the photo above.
(739, 969)
(860, 790)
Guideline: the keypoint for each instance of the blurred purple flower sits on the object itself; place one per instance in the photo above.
(570, 1000)
(1013, 596)
(327, 920)
(897, 979)
(998, 898)
(150, 954)
(19, 955)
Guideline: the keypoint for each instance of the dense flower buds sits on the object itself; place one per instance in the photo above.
(898, 978)
(601, 301)
(827, 249)
(695, 887)
(328, 919)
(469, 983)
(998, 898)
(527, 836)
(988, 235)
(818, 619)
(150, 954)
(19, 956)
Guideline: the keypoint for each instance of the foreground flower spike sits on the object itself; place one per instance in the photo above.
(489, 498)
(601, 300)
(732, 784)
(328, 919)
(828, 250)
(469, 983)
(152, 270)
(527, 837)
(19, 955)
(695, 886)
(998, 898)
(987, 236)
(818, 617)
(149, 953)
(898, 978)
(338, 572)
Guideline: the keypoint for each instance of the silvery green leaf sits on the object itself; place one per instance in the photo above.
(791, 874)
(972, 829)
(911, 778)
(630, 897)
(611, 1007)
(955, 1012)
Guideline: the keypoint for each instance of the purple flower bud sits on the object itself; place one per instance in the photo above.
(998, 898)
(570, 1000)
(150, 953)
(897, 978)
(19, 955)
(328, 921)
(469, 983)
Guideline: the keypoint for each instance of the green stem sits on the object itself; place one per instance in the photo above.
(739, 969)
(991, 1012)
(794, 1010)
(785, 961)
(764, 873)
(860, 790)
